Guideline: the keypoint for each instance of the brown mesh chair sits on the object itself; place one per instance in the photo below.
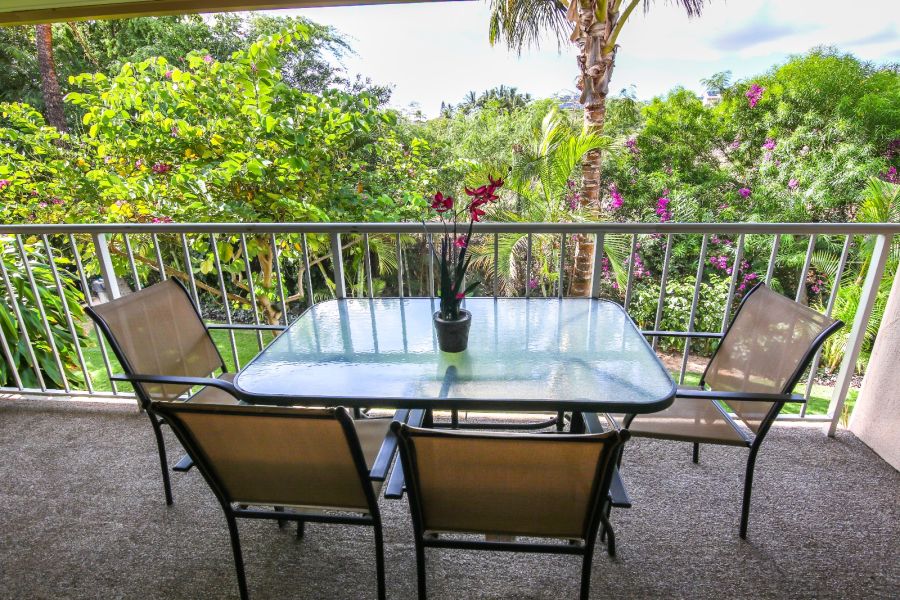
(165, 350)
(508, 485)
(750, 377)
(309, 460)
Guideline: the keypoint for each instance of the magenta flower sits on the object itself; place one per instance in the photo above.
(5, 183)
(161, 168)
(744, 192)
(168, 74)
(616, 200)
(735, 144)
(793, 183)
(475, 211)
(460, 242)
(208, 59)
(631, 144)
(442, 203)
(754, 94)
(460, 296)
(770, 144)
(162, 219)
(662, 207)
(533, 283)
(891, 175)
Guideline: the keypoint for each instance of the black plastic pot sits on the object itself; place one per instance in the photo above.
(453, 336)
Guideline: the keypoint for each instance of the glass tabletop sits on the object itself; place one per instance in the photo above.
(523, 354)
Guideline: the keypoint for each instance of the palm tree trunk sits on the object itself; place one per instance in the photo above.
(53, 100)
(595, 60)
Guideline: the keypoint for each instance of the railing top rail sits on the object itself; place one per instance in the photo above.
(436, 227)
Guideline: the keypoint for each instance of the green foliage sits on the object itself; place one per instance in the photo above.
(30, 300)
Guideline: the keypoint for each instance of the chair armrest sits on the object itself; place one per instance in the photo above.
(592, 423)
(397, 483)
(618, 495)
(682, 334)
(739, 396)
(388, 449)
(181, 380)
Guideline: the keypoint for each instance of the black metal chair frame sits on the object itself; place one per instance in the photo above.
(234, 511)
(751, 441)
(598, 511)
(134, 378)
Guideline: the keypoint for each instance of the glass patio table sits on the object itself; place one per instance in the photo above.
(535, 354)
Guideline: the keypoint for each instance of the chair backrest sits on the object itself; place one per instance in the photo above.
(158, 331)
(504, 484)
(275, 456)
(767, 347)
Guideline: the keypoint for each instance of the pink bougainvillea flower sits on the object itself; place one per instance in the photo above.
(744, 192)
(442, 203)
(208, 59)
(162, 219)
(735, 144)
(891, 175)
(631, 144)
(615, 198)
(5, 183)
(793, 183)
(533, 283)
(754, 94)
(460, 242)
(168, 74)
(161, 168)
(770, 144)
(662, 207)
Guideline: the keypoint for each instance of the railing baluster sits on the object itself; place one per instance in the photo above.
(225, 302)
(690, 326)
(598, 261)
(307, 273)
(51, 261)
(159, 258)
(857, 333)
(370, 288)
(496, 278)
(101, 343)
(279, 280)
(735, 274)
(7, 354)
(562, 265)
(630, 281)
(337, 261)
(131, 264)
(528, 266)
(23, 330)
(107, 270)
(51, 339)
(832, 297)
(431, 264)
(399, 251)
(801, 285)
(770, 270)
(189, 269)
(662, 289)
(252, 289)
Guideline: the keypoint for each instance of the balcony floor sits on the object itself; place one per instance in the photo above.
(84, 517)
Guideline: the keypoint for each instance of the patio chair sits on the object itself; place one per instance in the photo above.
(501, 484)
(312, 461)
(165, 350)
(751, 375)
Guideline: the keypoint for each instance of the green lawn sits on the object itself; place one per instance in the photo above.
(248, 347)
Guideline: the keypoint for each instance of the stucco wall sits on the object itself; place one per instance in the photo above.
(876, 418)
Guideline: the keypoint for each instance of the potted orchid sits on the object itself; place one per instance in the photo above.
(451, 321)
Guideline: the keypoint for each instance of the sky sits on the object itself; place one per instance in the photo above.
(434, 52)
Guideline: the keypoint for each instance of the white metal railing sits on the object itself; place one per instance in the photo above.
(174, 251)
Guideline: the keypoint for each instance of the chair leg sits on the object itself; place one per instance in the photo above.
(281, 522)
(301, 529)
(420, 569)
(696, 457)
(163, 462)
(748, 489)
(561, 421)
(379, 560)
(238, 557)
(586, 562)
(610, 535)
